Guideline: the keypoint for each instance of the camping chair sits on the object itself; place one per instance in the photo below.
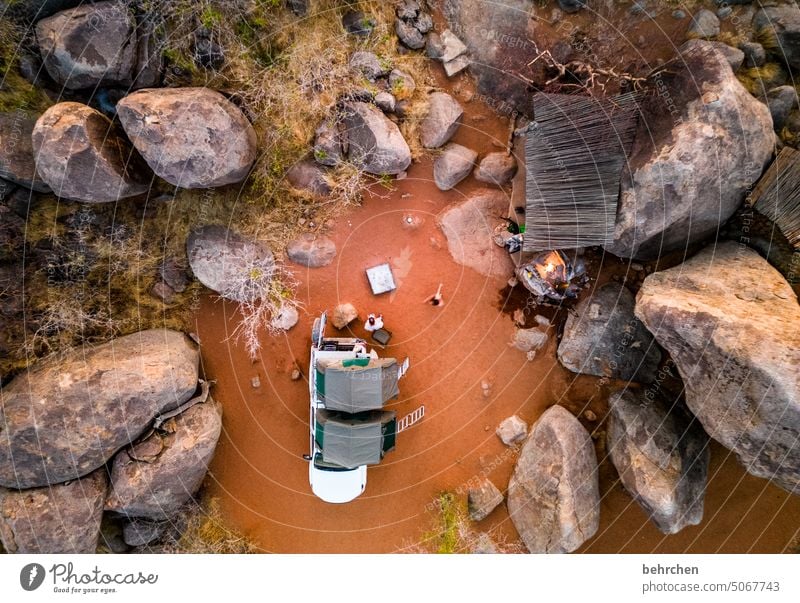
(382, 336)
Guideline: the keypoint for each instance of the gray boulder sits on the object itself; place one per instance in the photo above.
(691, 174)
(68, 414)
(571, 6)
(553, 495)
(441, 121)
(62, 518)
(453, 165)
(496, 168)
(731, 323)
(81, 156)
(190, 137)
(482, 500)
(306, 175)
(311, 251)
(661, 455)
(469, 227)
(603, 338)
(754, 54)
(386, 102)
(17, 162)
(228, 263)
(159, 475)
(780, 25)
(375, 144)
(452, 46)
(705, 24)
(90, 45)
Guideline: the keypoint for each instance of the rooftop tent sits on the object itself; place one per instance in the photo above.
(357, 385)
(351, 441)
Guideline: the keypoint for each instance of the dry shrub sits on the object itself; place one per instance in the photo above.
(206, 532)
(454, 532)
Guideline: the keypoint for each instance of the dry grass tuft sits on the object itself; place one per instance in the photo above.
(206, 532)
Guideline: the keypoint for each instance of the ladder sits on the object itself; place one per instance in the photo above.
(410, 419)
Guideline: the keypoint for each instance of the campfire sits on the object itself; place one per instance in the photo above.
(552, 277)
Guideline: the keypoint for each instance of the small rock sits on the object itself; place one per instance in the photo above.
(678, 14)
(484, 499)
(442, 120)
(328, 144)
(174, 275)
(385, 102)
(141, 532)
(542, 321)
(207, 53)
(434, 46)
(453, 165)
(401, 84)
(163, 291)
(512, 430)
(285, 318)
(409, 35)
(453, 46)
(296, 374)
(343, 315)
(754, 54)
(724, 12)
(310, 251)
(571, 6)
(298, 7)
(255, 382)
(589, 415)
(484, 545)
(527, 340)
(306, 175)
(781, 101)
(368, 64)
(457, 65)
(496, 168)
(407, 9)
(705, 24)
(486, 388)
(357, 23)
(519, 317)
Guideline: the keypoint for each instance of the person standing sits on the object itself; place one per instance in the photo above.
(374, 323)
(436, 299)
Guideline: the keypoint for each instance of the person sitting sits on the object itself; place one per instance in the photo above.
(436, 299)
(374, 323)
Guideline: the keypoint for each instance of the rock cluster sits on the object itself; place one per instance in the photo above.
(69, 415)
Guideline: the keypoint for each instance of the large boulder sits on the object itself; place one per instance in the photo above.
(375, 144)
(311, 251)
(603, 338)
(469, 227)
(306, 175)
(661, 454)
(553, 495)
(157, 476)
(441, 121)
(190, 137)
(62, 518)
(780, 25)
(17, 162)
(731, 323)
(68, 414)
(453, 165)
(90, 45)
(694, 158)
(81, 156)
(228, 263)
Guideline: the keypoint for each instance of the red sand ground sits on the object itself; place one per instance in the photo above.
(262, 481)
